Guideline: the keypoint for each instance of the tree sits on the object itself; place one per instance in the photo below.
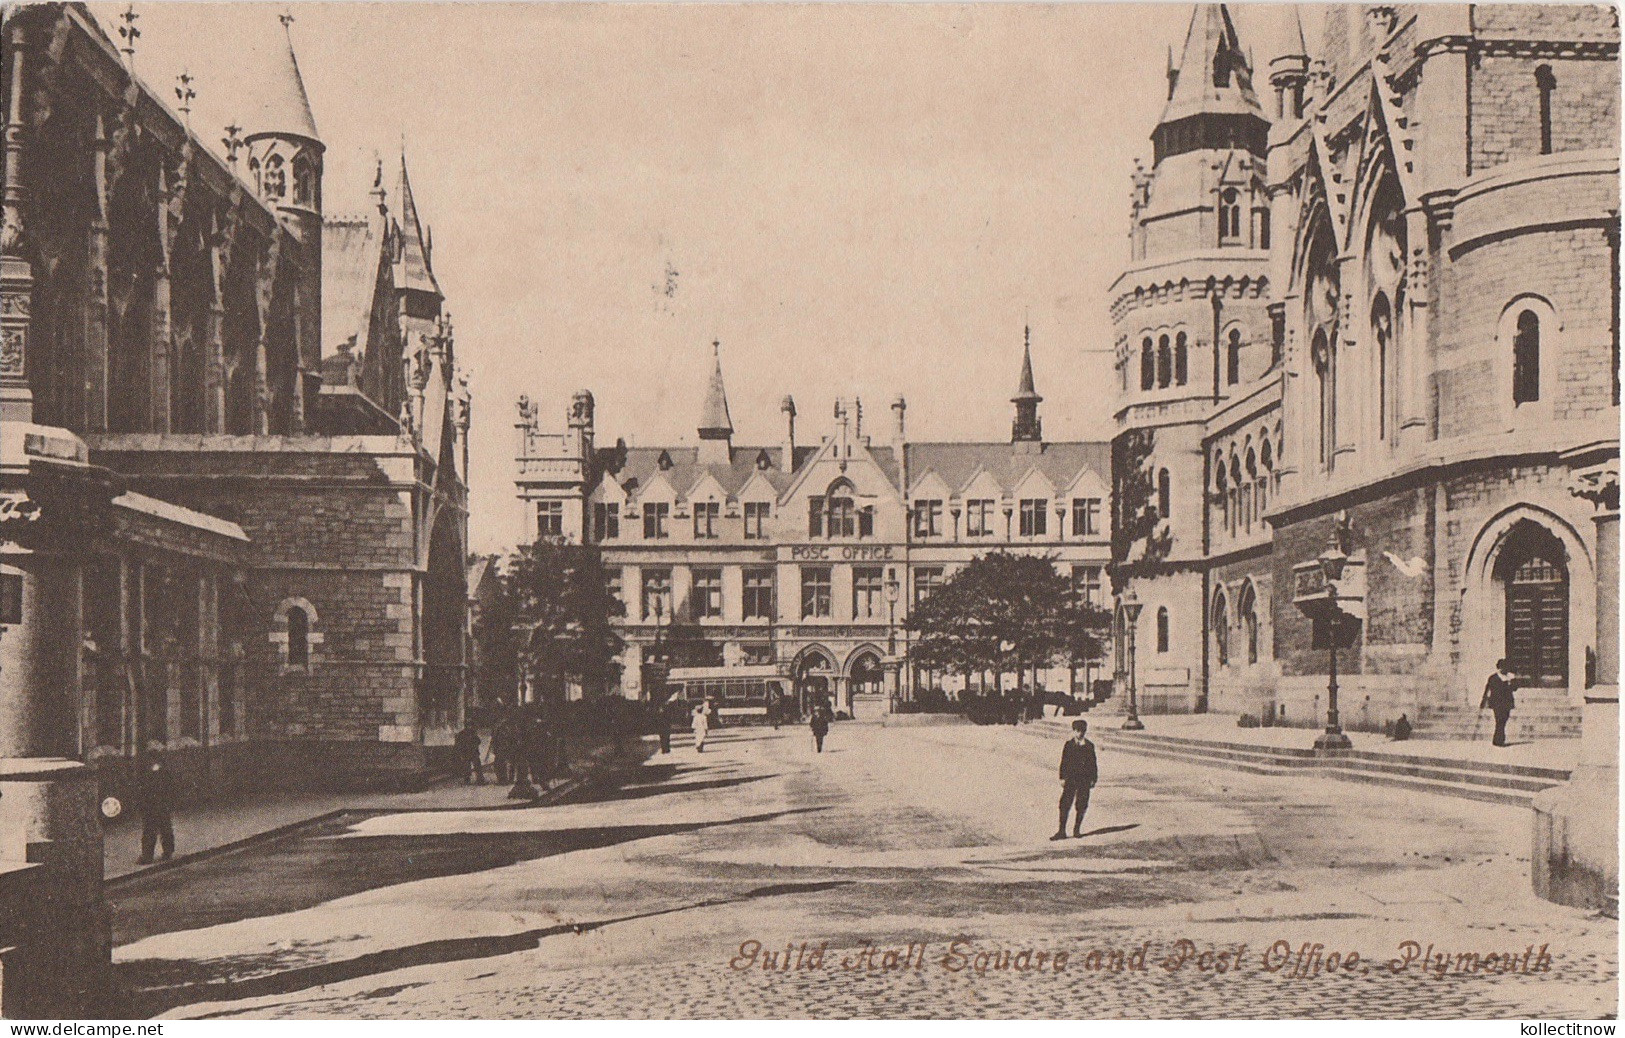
(1141, 540)
(560, 608)
(1005, 613)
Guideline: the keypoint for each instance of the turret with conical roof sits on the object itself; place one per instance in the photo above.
(1211, 103)
(285, 164)
(285, 150)
(716, 426)
(1027, 426)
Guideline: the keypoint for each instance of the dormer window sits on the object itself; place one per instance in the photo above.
(756, 513)
(836, 514)
(664, 462)
(928, 518)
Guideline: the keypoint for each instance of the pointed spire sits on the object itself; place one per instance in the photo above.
(1214, 76)
(418, 275)
(1025, 390)
(715, 423)
(1027, 427)
(284, 106)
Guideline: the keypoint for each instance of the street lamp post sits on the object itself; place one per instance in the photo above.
(892, 590)
(1332, 562)
(1131, 613)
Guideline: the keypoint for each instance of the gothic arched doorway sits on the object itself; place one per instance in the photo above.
(813, 673)
(444, 616)
(1533, 572)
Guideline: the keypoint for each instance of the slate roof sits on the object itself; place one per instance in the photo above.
(284, 105)
(1211, 31)
(351, 252)
(957, 463)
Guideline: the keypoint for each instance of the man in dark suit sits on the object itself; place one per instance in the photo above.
(1079, 773)
(1498, 698)
(155, 794)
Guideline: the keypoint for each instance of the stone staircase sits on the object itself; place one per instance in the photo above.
(1541, 713)
(1494, 782)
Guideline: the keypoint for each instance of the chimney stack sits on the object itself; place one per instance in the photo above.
(788, 459)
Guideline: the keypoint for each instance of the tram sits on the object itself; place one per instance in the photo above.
(739, 694)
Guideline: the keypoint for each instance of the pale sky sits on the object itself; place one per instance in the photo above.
(858, 200)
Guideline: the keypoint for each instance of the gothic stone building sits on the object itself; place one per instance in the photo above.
(805, 557)
(1377, 307)
(233, 509)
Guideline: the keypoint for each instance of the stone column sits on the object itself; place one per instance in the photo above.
(1575, 859)
(95, 373)
(48, 801)
(214, 361)
(16, 273)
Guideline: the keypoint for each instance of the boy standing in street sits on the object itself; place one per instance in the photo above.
(1079, 772)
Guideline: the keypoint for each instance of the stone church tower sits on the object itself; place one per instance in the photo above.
(1191, 330)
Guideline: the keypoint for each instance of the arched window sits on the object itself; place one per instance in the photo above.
(275, 182)
(1232, 357)
(1263, 228)
(1238, 497)
(1255, 504)
(1220, 492)
(1221, 629)
(1326, 384)
(1229, 215)
(1164, 494)
(1247, 613)
(304, 182)
(1382, 331)
(1162, 628)
(298, 637)
(1181, 359)
(1526, 359)
(1148, 364)
(1546, 83)
(1165, 363)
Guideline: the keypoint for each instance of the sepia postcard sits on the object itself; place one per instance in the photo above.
(740, 511)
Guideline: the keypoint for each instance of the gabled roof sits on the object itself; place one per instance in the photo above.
(643, 464)
(1211, 44)
(958, 463)
(352, 251)
(284, 106)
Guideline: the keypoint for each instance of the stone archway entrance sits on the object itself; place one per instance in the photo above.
(813, 674)
(1534, 578)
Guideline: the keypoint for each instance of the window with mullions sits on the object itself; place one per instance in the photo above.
(705, 519)
(868, 592)
(655, 516)
(759, 594)
(1034, 517)
(928, 518)
(756, 513)
(706, 594)
(816, 592)
(979, 517)
(606, 520)
(1085, 516)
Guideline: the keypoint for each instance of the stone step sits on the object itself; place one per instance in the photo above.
(1488, 781)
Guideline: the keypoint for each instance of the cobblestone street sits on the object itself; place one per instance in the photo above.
(643, 900)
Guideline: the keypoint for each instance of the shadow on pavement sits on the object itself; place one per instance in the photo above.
(1103, 830)
(156, 1000)
(645, 791)
(311, 867)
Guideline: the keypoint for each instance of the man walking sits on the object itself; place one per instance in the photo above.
(700, 724)
(156, 793)
(1498, 698)
(1079, 772)
(819, 725)
(467, 745)
(662, 721)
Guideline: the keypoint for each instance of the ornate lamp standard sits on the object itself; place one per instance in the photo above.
(1131, 612)
(1332, 562)
(893, 590)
